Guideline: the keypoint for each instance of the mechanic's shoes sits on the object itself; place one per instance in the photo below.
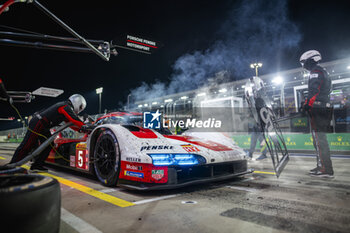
(38, 168)
(261, 157)
(313, 171)
(319, 173)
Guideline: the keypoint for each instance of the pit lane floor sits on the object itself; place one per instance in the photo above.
(258, 202)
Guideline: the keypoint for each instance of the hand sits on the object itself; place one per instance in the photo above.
(87, 128)
(306, 107)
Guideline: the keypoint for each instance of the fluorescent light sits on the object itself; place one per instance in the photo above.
(154, 103)
(184, 97)
(277, 80)
(99, 90)
(201, 94)
(223, 90)
(145, 105)
(140, 105)
(168, 100)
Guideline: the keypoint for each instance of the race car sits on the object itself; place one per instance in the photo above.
(119, 151)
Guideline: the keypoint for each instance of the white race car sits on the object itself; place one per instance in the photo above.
(122, 153)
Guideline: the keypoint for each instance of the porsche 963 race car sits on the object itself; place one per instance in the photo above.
(120, 152)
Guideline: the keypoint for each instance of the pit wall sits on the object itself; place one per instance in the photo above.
(303, 142)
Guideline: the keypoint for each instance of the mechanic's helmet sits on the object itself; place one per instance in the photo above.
(78, 102)
(309, 59)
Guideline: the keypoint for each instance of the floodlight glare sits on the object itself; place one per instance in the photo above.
(201, 94)
(99, 90)
(277, 80)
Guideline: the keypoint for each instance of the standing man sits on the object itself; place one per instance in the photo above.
(40, 126)
(319, 108)
(256, 135)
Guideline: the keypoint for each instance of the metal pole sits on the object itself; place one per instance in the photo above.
(100, 102)
(71, 31)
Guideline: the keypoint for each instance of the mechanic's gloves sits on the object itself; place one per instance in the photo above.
(87, 128)
(306, 107)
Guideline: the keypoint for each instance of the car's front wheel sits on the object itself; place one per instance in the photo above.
(107, 158)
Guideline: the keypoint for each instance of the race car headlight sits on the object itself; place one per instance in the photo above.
(176, 159)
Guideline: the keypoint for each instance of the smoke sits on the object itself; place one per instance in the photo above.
(255, 30)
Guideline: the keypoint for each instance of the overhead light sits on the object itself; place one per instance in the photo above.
(348, 67)
(140, 105)
(223, 90)
(201, 94)
(189, 101)
(99, 90)
(145, 105)
(243, 86)
(168, 100)
(184, 97)
(277, 80)
(154, 103)
(162, 106)
(19, 120)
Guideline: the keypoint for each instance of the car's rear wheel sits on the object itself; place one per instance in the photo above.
(107, 158)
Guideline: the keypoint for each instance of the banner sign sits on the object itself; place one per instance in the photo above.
(337, 141)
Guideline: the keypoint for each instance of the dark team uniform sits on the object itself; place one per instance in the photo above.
(41, 123)
(320, 111)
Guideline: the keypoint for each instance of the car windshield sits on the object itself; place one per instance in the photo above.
(126, 119)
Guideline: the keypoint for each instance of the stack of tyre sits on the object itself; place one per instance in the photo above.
(28, 202)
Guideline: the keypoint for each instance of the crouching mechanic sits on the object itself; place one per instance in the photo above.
(319, 108)
(43, 121)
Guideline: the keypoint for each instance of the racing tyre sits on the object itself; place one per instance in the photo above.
(107, 158)
(30, 203)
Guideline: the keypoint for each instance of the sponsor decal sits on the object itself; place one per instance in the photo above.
(314, 75)
(72, 161)
(289, 142)
(157, 174)
(310, 143)
(131, 159)
(134, 174)
(190, 148)
(160, 147)
(133, 167)
(340, 142)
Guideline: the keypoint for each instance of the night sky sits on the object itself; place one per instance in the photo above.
(183, 27)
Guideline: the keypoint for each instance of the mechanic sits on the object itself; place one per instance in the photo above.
(319, 109)
(43, 121)
(256, 135)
